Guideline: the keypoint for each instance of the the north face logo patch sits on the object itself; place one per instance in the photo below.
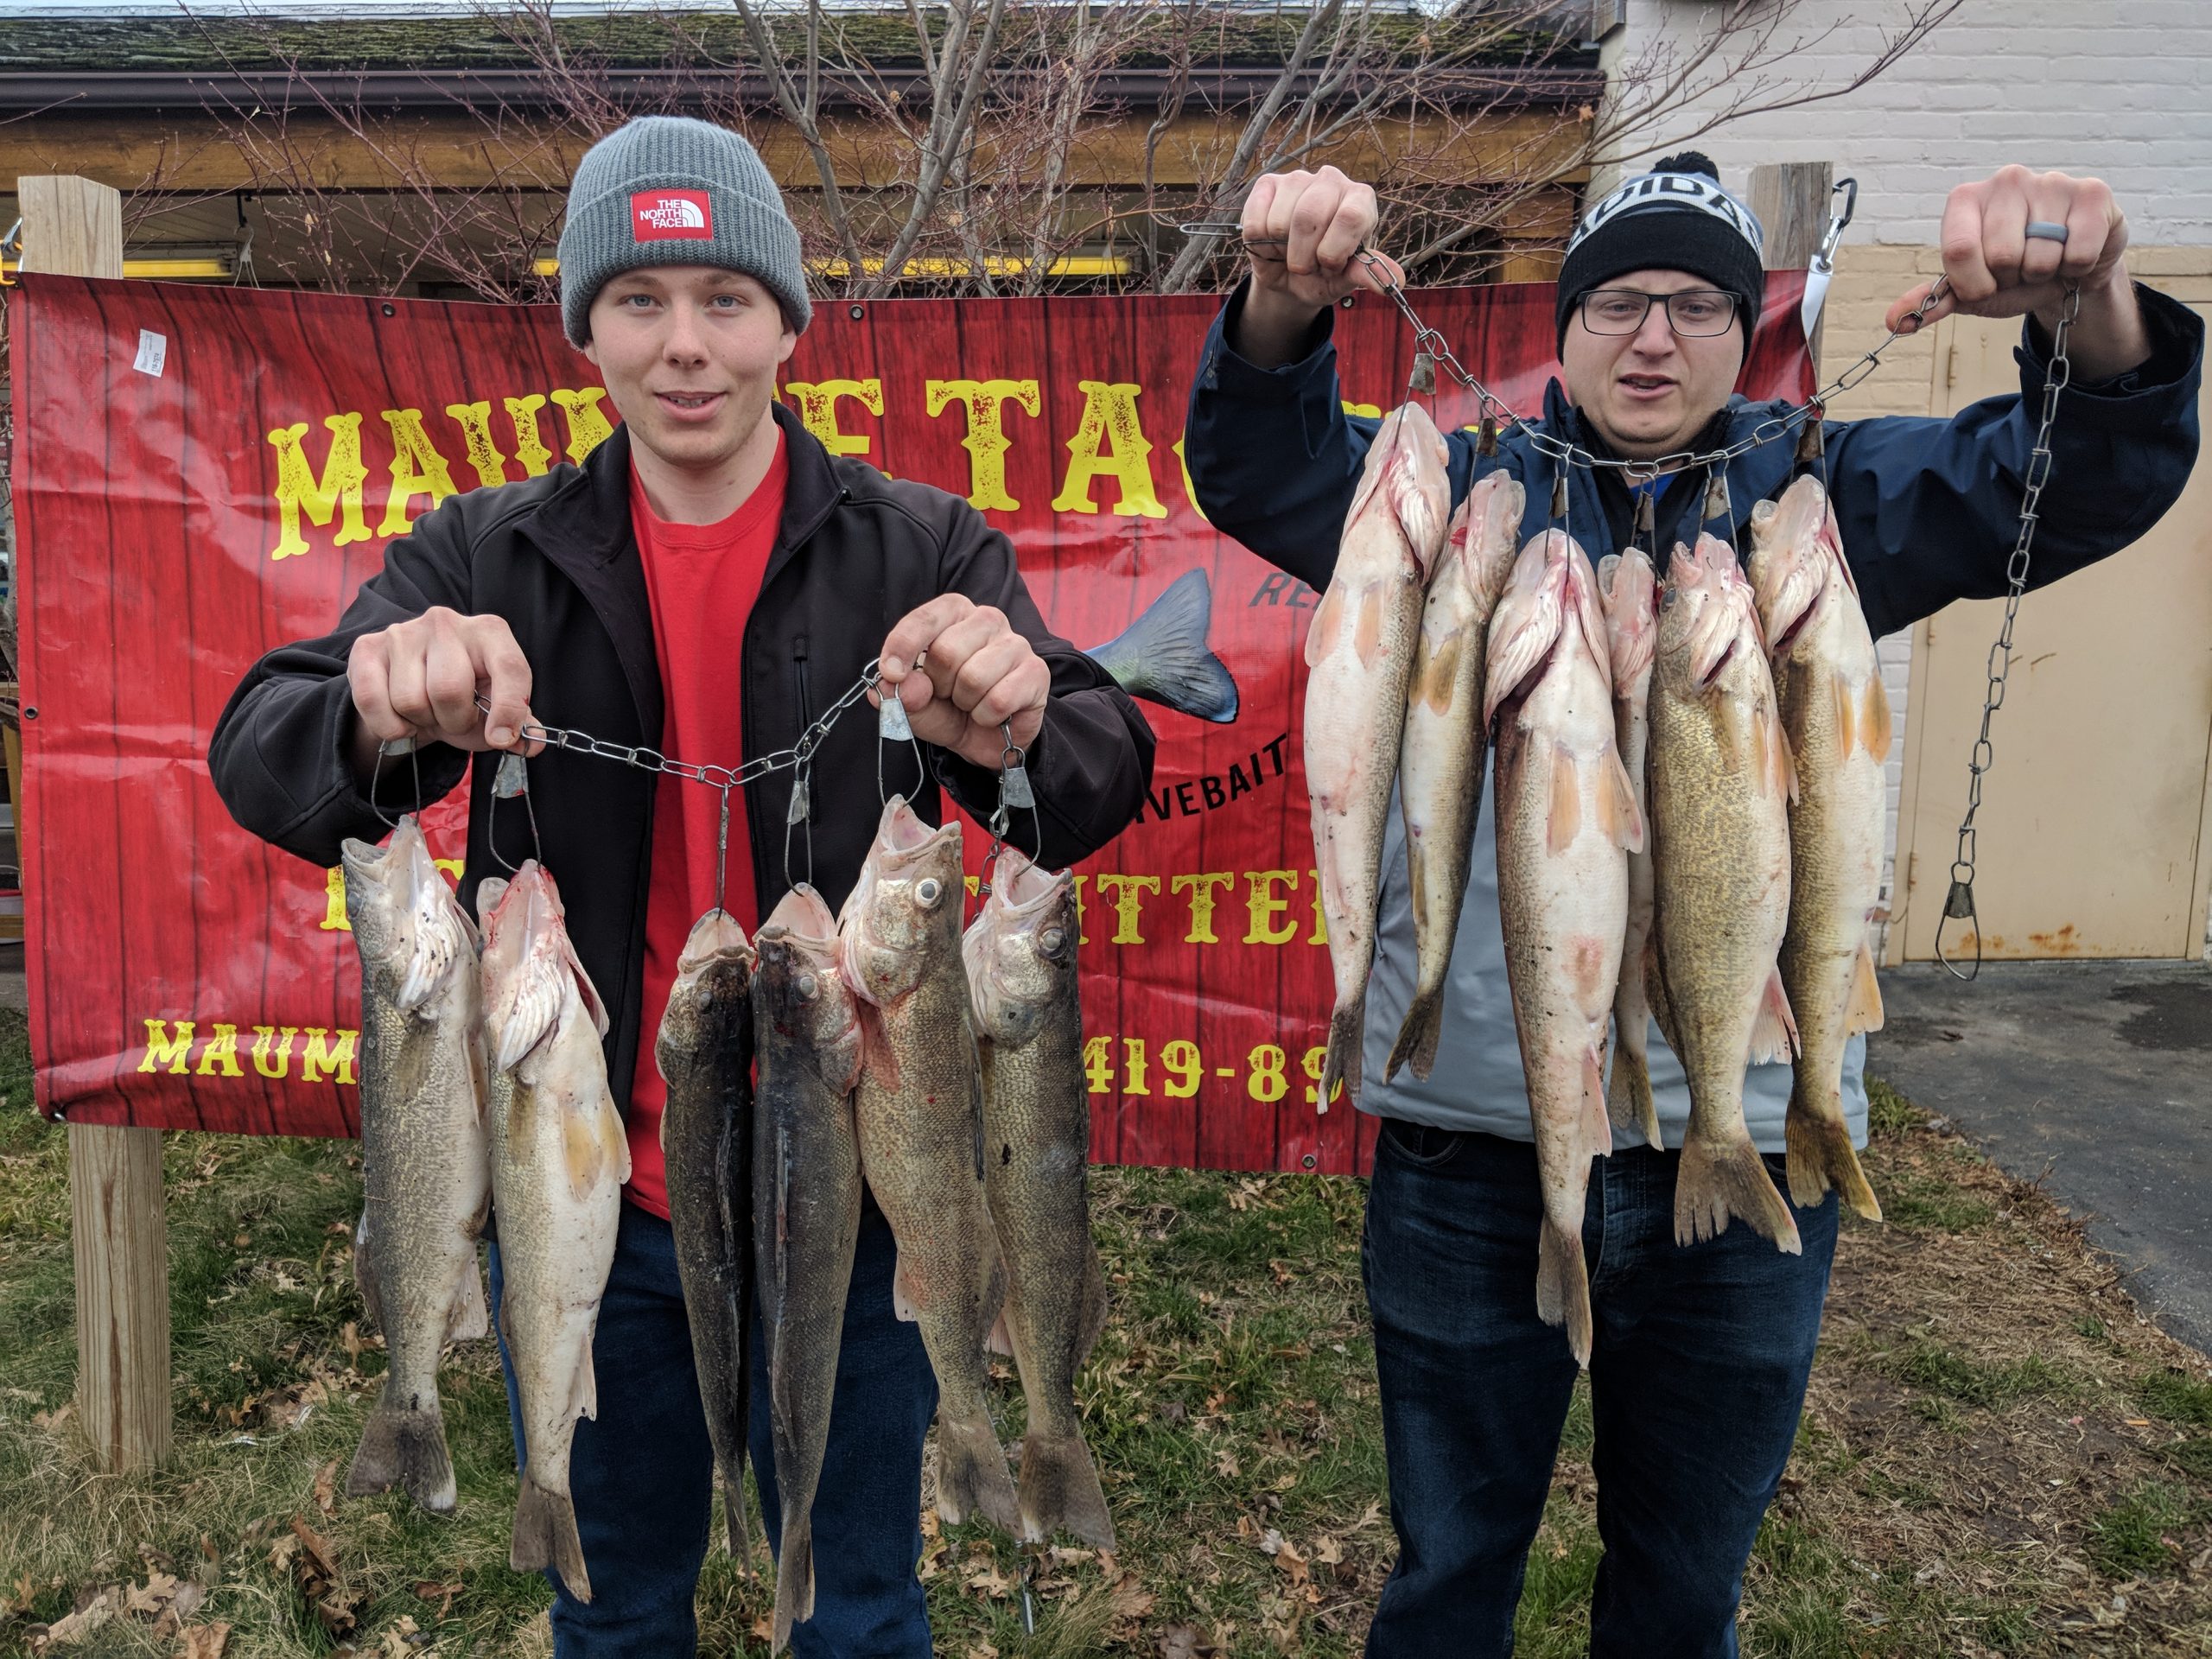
(670, 216)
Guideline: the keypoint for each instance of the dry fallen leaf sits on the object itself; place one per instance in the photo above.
(1183, 1641)
(51, 1421)
(441, 1593)
(81, 1623)
(205, 1641)
(1327, 1551)
(1129, 1598)
(147, 1599)
(326, 1487)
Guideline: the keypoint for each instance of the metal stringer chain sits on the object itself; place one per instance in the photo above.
(1958, 903)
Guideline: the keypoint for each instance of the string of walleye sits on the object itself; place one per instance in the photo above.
(1689, 806)
(883, 1045)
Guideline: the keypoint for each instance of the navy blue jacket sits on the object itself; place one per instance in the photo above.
(1929, 509)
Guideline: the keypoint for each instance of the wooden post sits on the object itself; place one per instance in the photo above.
(1791, 200)
(73, 227)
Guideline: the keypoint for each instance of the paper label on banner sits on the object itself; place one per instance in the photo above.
(153, 352)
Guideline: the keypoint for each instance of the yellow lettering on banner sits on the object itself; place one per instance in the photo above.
(334, 920)
(1200, 886)
(1190, 490)
(320, 1058)
(987, 442)
(220, 1056)
(163, 1049)
(529, 446)
(588, 427)
(817, 411)
(337, 492)
(263, 1037)
(417, 469)
(475, 421)
(1127, 890)
(1109, 408)
(1320, 921)
(1081, 938)
(1265, 906)
(1372, 412)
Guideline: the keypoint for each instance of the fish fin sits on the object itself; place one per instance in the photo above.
(1846, 715)
(1059, 1488)
(1774, 1034)
(617, 1139)
(1341, 1062)
(1000, 1340)
(583, 1151)
(971, 1474)
(1328, 618)
(583, 1387)
(406, 1448)
(1367, 626)
(479, 1077)
(1596, 1125)
(737, 1532)
(878, 1061)
(545, 1535)
(1818, 1146)
(997, 1295)
(1563, 1289)
(1713, 1183)
(1436, 672)
(365, 1273)
(1629, 1102)
(1862, 1010)
(1874, 729)
(1616, 809)
(794, 1579)
(1564, 819)
(1784, 762)
(1163, 656)
(901, 1304)
(1418, 1034)
(470, 1318)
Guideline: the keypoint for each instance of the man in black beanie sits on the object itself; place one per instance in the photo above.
(1700, 1353)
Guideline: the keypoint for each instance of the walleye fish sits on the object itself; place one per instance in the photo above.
(806, 1208)
(559, 1158)
(1837, 715)
(1022, 979)
(920, 1110)
(704, 1051)
(1566, 820)
(1360, 651)
(1629, 588)
(1163, 656)
(1720, 780)
(1445, 743)
(427, 1185)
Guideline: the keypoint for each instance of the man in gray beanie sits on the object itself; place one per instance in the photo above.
(1698, 1353)
(706, 583)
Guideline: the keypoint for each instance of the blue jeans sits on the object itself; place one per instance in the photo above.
(642, 1474)
(1696, 1380)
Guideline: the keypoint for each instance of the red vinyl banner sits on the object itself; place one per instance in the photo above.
(203, 474)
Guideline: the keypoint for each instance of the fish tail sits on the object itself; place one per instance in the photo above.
(1717, 1183)
(1821, 1156)
(1628, 1095)
(971, 1474)
(1163, 656)
(1059, 1488)
(737, 1531)
(1419, 1035)
(545, 1535)
(1341, 1065)
(404, 1448)
(794, 1580)
(1563, 1289)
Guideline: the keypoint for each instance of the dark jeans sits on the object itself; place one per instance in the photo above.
(1696, 1380)
(642, 1474)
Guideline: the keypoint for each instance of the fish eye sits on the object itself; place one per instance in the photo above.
(805, 986)
(928, 890)
(1051, 940)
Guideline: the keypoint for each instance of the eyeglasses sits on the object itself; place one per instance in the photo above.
(1694, 313)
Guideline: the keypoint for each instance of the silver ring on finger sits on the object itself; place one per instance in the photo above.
(2045, 229)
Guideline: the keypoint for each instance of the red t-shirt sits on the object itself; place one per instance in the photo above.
(702, 579)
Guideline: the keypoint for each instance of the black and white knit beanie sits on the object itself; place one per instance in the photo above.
(1676, 217)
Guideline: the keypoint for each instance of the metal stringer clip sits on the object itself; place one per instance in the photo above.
(509, 781)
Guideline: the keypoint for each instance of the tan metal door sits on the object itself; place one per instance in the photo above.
(2093, 832)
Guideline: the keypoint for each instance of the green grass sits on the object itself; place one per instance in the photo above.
(1232, 1403)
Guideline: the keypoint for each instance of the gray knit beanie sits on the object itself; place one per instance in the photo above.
(667, 190)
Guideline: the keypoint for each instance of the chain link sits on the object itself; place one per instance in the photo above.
(1958, 903)
(646, 758)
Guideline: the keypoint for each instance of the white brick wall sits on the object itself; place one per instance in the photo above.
(2122, 90)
